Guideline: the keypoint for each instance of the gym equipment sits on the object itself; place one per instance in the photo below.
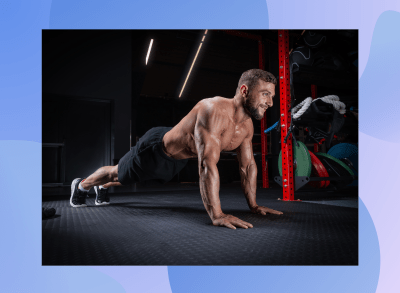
(348, 153)
(301, 160)
(326, 117)
(338, 161)
(336, 169)
(272, 127)
(318, 108)
(345, 150)
(318, 170)
(302, 107)
(48, 212)
(314, 39)
(323, 117)
(354, 109)
(329, 60)
(301, 55)
(316, 134)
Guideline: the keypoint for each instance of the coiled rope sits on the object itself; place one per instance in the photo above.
(331, 99)
(301, 108)
(305, 104)
(334, 100)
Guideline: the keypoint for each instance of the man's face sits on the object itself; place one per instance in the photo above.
(260, 99)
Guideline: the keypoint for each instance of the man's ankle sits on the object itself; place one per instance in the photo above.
(82, 187)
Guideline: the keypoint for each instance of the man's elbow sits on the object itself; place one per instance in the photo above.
(207, 168)
(253, 167)
(249, 168)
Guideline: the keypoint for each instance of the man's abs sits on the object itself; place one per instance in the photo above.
(179, 143)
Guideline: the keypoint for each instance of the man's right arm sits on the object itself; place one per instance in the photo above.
(207, 134)
(208, 145)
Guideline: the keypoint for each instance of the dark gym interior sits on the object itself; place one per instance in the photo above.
(103, 89)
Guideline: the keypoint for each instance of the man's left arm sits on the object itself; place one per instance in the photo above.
(248, 175)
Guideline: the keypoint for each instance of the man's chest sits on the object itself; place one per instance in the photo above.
(233, 136)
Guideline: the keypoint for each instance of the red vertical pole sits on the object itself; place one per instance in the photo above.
(316, 150)
(314, 96)
(264, 148)
(284, 89)
(313, 91)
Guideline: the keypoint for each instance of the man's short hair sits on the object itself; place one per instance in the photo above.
(251, 77)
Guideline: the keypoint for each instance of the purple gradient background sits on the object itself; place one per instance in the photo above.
(21, 22)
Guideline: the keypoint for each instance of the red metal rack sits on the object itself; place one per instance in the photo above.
(285, 119)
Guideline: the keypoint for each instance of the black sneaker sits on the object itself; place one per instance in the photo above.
(102, 197)
(78, 197)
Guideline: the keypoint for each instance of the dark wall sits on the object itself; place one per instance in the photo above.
(218, 67)
(76, 138)
(109, 65)
(154, 111)
(92, 64)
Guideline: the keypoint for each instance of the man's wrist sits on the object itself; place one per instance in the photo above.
(216, 214)
(251, 201)
(253, 207)
(216, 217)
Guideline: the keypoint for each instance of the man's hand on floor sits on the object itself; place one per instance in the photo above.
(264, 210)
(231, 222)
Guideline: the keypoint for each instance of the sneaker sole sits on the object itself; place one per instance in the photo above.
(73, 185)
(99, 203)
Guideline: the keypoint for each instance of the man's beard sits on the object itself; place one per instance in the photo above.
(253, 111)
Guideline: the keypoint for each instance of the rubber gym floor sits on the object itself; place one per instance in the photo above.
(168, 225)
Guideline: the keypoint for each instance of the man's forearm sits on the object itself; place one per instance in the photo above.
(248, 175)
(209, 189)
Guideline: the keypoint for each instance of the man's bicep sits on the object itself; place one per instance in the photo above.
(245, 152)
(207, 136)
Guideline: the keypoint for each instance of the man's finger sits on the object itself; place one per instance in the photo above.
(229, 225)
(241, 225)
(248, 224)
(271, 211)
(263, 213)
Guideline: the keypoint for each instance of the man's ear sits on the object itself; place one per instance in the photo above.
(244, 90)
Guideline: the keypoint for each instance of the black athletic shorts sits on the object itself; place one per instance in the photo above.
(147, 160)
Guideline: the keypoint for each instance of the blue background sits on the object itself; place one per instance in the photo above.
(21, 22)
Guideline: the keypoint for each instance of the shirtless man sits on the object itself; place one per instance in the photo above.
(213, 125)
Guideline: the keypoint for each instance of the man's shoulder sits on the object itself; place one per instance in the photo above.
(215, 104)
(249, 127)
(215, 100)
(213, 112)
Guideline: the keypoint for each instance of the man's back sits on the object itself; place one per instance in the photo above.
(218, 115)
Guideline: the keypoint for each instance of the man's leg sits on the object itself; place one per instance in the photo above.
(102, 197)
(104, 175)
(110, 184)
(81, 187)
(101, 191)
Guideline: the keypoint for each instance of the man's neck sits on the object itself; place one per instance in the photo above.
(240, 115)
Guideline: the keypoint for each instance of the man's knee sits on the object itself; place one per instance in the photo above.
(114, 173)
